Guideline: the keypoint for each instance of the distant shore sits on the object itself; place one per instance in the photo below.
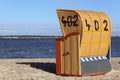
(33, 36)
(26, 36)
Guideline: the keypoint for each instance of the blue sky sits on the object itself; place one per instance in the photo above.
(38, 17)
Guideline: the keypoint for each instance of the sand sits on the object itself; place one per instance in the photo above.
(44, 69)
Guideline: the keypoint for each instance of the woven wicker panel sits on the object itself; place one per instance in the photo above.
(86, 33)
(106, 33)
(95, 31)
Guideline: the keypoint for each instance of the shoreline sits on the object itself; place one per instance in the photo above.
(33, 36)
(26, 37)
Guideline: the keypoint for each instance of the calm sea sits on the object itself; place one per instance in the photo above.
(38, 48)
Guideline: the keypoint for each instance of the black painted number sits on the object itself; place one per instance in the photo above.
(63, 21)
(106, 24)
(70, 21)
(76, 18)
(88, 25)
(96, 23)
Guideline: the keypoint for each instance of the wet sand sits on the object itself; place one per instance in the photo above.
(44, 69)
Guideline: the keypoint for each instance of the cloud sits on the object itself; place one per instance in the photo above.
(7, 31)
(29, 29)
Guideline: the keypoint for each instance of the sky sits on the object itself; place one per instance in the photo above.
(38, 17)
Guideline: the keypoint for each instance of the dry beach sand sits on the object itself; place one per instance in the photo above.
(44, 69)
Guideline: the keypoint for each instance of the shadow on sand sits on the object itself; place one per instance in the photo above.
(49, 67)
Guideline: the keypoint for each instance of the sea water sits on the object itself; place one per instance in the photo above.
(39, 48)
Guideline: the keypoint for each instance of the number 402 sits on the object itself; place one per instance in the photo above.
(96, 25)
